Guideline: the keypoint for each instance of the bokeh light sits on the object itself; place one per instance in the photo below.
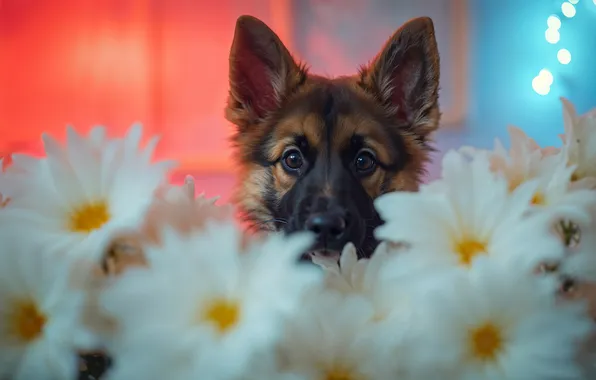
(540, 85)
(554, 22)
(547, 76)
(568, 9)
(552, 35)
(564, 56)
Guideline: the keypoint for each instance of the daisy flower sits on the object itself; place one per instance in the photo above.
(40, 313)
(180, 208)
(331, 337)
(493, 322)
(173, 206)
(580, 143)
(555, 188)
(90, 187)
(184, 192)
(203, 307)
(363, 277)
(525, 159)
(474, 215)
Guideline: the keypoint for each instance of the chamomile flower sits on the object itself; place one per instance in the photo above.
(40, 314)
(524, 160)
(353, 276)
(179, 207)
(181, 193)
(580, 142)
(349, 274)
(332, 337)
(173, 206)
(555, 189)
(474, 215)
(81, 192)
(203, 308)
(493, 322)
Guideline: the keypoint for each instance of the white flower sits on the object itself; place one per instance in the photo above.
(181, 208)
(183, 193)
(80, 193)
(40, 315)
(526, 161)
(353, 276)
(203, 308)
(555, 189)
(332, 337)
(474, 215)
(522, 162)
(580, 142)
(493, 322)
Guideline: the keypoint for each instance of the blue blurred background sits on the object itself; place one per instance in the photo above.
(508, 49)
(164, 63)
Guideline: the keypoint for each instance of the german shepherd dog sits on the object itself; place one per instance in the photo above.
(315, 152)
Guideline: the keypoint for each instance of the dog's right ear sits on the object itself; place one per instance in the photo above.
(262, 72)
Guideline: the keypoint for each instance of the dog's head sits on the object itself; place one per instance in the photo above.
(315, 152)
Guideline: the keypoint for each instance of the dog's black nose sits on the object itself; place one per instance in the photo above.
(327, 226)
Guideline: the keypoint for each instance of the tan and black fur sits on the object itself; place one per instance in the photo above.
(314, 152)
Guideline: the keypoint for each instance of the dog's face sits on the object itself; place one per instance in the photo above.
(315, 152)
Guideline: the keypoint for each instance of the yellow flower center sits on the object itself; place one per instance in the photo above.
(486, 342)
(26, 321)
(469, 249)
(339, 374)
(89, 217)
(223, 314)
(538, 199)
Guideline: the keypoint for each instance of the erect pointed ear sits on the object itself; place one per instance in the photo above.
(405, 76)
(262, 72)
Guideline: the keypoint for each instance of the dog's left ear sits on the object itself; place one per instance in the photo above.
(405, 76)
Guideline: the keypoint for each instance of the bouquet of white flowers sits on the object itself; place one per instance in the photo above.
(99, 254)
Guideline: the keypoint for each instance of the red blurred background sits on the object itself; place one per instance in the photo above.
(165, 64)
(113, 62)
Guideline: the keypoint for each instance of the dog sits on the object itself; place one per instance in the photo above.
(315, 152)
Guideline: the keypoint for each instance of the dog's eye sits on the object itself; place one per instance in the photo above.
(365, 162)
(292, 160)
